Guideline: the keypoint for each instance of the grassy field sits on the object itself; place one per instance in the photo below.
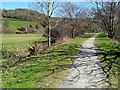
(109, 53)
(17, 41)
(42, 70)
(18, 24)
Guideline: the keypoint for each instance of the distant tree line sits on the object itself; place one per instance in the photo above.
(21, 14)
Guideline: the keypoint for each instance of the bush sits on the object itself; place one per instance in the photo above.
(60, 43)
(102, 35)
(32, 49)
(8, 30)
(12, 27)
(55, 35)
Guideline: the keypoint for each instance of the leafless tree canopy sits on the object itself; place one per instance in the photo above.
(103, 17)
(107, 12)
(72, 12)
(48, 8)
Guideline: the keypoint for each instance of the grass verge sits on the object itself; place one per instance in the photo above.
(109, 53)
(43, 70)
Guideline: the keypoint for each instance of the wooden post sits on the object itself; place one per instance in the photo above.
(29, 42)
(21, 44)
(13, 45)
(2, 46)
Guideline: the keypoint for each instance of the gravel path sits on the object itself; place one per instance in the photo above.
(86, 71)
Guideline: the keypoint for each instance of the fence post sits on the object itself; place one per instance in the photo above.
(21, 44)
(29, 42)
(2, 46)
(13, 45)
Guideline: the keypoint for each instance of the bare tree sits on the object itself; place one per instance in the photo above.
(72, 12)
(48, 8)
(107, 13)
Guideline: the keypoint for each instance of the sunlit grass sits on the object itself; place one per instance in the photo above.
(109, 52)
(42, 70)
(18, 23)
(17, 41)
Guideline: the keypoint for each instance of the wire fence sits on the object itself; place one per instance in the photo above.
(18, 45)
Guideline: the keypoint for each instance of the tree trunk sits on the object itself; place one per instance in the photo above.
(73, 27)
(73, 32)
(110, 34)
(49, 33)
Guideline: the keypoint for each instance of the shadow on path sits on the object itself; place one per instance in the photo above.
(86, 71)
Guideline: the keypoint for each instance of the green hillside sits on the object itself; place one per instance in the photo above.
(18, 23)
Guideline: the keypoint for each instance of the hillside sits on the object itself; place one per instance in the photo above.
(22, 14)
(19, 23)
(21, 18)
(11, 25)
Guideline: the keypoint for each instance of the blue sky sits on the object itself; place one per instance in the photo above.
(14, 5)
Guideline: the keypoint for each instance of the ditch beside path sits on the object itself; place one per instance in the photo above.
(85, 71)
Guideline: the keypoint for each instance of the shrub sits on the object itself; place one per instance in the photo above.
(12, 27)
(35, 41)
(55, 35)
(32, 49)
(7, 28)
(18, 32)
(60, 43)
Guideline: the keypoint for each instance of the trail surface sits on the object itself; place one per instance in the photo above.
(86, 71)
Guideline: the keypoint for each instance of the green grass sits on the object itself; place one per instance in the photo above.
(42, 70)
(18, 24)
(18, 41)
(109, 53)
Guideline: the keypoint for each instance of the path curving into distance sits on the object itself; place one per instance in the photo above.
(85, 71)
